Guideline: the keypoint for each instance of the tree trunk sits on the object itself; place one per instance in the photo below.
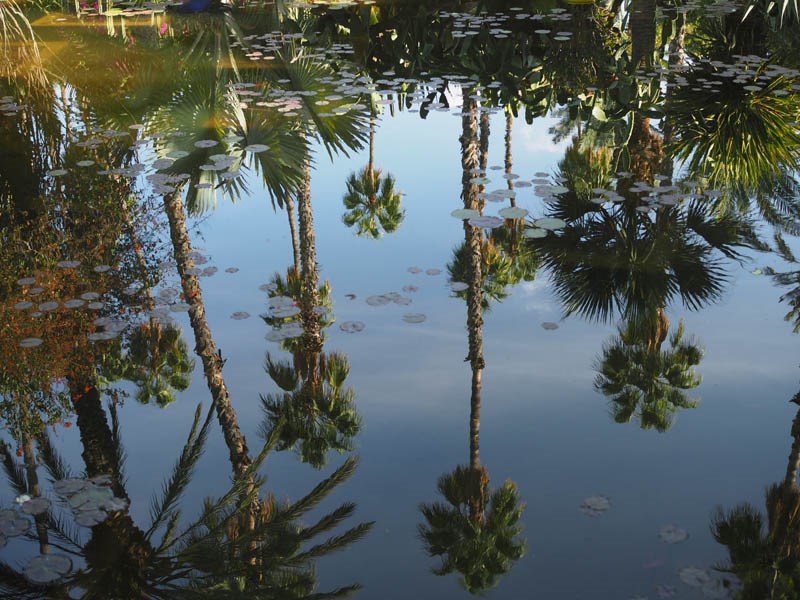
(371, 163)
(509, 156)
(677, 57)
(794, 457)
(205, 346)
(35, 491)
(116, 545)
(472, 151)
(472, 235)
(96, 438)
(309, 357)
(643, 32)
(293, 232)
(658, 330)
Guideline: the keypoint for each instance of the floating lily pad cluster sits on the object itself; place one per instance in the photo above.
(284, 312)
(90, 499)
(39, 302)
(467, 25)
(712, 585)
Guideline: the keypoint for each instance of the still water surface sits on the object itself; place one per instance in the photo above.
(399, 300)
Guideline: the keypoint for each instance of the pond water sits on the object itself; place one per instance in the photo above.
(399, 299)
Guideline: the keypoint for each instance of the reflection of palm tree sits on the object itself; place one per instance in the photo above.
(497, 269)
(643, 379)
(204, 341)
(619, 258)
(159, 362)
(473, 534)
(480, 546)
(766, 556)
(371, 200)
(737, 136)
(317, 411)
(209, 557)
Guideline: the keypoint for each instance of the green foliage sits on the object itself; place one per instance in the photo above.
(763, 555)
(239, 546)
(498, 271)
(618, 259)
(644, 380)
(741, 141)
(317, 413)
(373, 205)
(159, 362)
(481, 547)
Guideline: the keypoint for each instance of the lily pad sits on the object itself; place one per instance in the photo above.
(85, 163)
(47, 568)
(30, 342)
(68, 264)
(12, 523)
(57, 172)
(285, 312)
(276, 302)
(352, 326)
(92, 497)
(380, 300)
(90, 518)
(24, 305)
(594, 506)
(240, 315)
(36, 506)
(414, 270)
(550, 223)
(694, 577)
(463, 213)
(459, 286)
(414, 317)
(432, 272)
(513, 212)
(672, 534)
(534, 233)
(67, 487)
(74, 303)
(256, 148)
(549, 325)
(205, 143)
(26, 281)
(486, 222)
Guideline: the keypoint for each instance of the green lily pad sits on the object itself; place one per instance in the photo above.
(90, 498)
(465, 213)
(47, 568)
(534, 233)
(513, 212)
(550, 223)
(12, 523)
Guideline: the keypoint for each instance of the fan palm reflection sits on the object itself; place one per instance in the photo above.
(475, 531)
(628, 256)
